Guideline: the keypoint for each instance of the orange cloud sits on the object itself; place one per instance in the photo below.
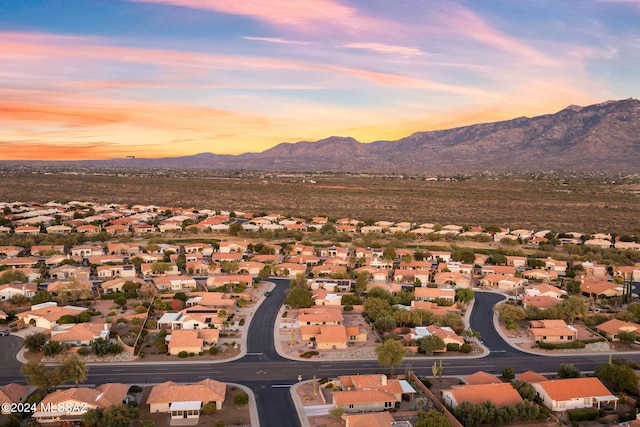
(35, 112)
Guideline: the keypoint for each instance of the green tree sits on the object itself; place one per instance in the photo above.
(361, 282)
(464, 255)
(264, 273)
(375, 308)
(524, 389)
(464, 294)
(12, 276)
(389, 253)
(40, 297)
(35, 341)
(160, 267)
(299, 298)
(119, 415)
(385, 324)
(336, 413)
(568, 371)
(620, 375)
(431, 343)
(574, 307)
(42, 376)
(390, 353)
(509, 312)
(74, 369)
(121, 300)
(508, 374)
(431, 418)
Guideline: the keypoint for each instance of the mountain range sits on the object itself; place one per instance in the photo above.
(602, 137)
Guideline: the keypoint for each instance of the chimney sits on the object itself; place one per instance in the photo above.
(384, 380)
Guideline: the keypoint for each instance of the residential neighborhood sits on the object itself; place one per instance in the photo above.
(156, 284)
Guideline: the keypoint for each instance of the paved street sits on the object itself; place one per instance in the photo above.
(270, 376)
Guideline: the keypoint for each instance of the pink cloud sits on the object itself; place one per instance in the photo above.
(302, 16)
(275, 40)
(385, 48)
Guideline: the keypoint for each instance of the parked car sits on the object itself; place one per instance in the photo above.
(266, 294)
(3, 332)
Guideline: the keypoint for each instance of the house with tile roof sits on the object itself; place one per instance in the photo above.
(612, 328)
(80, 333)
(531, 377)
(574, 393)
(369, 393)
(459, 280)
(538, 301)
(185, 401)
(501, 395)
(76, 401)
(13, 393)
(8, 290)
(433, 294)
(320, 316)
(597, 287)
(375, 419)
(46, 315)
(191, 340)
(552, 331)
(482, 377)
(544, 290)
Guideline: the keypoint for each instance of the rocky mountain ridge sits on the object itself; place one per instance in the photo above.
(600, 137)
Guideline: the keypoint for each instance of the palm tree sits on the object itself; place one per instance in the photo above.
(74, 369)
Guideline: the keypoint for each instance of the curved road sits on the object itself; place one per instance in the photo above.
(270, 376)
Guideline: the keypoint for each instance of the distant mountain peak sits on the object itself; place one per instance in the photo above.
(599, 137)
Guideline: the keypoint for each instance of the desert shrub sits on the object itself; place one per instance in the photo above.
(140, 309)
(183, 354)
(453, 346)
(241, 398)
(209, 408)
(348, 308)
(83, 351)
(52, 348)
(213, 351)
(309, 354)
(465, 348)
(585, 414)
(135, 389)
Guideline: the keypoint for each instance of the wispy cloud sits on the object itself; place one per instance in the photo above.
(275, 40)
(404, 51)
(301, 16)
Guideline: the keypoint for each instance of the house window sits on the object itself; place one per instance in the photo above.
(351, 406)
(388, 404)
(570, 338)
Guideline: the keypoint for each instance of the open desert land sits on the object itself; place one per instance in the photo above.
(585, 204)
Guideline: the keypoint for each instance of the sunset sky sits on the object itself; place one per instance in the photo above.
(100, 79)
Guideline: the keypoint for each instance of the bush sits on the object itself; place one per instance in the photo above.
(52, 348)
(586, 414)
(568, 345)
(135, 389)
(465, 348)
(83, 351)
(213, 351)
(140, 309)
(209, 408)
(241, 398)
(219, 423)
(183, 354)
(426, 381)
(309, 354)
(453, 346)
(348, 308)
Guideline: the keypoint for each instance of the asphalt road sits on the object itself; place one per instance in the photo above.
(270, 376)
